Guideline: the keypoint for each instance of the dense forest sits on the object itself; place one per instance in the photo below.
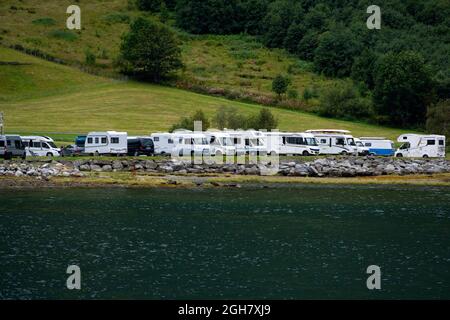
(394, 73)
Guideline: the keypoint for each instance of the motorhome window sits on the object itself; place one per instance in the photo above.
(247, 142)
(157, 139)
(8, 142)
(340, 141)
(2, 144)
(51, 144)
(441, 142)
(89, 140)
(45, 146)
(431, 142)
(96, 140)
(324, 141)
(104, 140)
(351, 141)
(170, 141)
(26, 143)
(368, 144)
(36, 144)
(18, 144)
(115, 140)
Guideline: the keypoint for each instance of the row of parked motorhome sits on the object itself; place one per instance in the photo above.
(227, 142)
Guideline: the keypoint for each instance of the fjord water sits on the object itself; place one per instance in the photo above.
(302, 242)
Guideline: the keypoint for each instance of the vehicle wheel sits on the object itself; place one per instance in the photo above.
(273, 154)
(50, 154)
(136, 154)
(399, 155)
(192, 153)
(305, 153)
(344, 153)
(218, 154)
(24, 156)
(425, 156)
(180, 153)
(96, 154)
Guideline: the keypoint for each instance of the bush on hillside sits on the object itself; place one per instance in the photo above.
(438, 118)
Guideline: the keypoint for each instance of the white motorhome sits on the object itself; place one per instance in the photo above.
(248, 141)
(220, 143)
(108, 142)
(333, 141)
(190, 143)
(378, 146)
(286, 143)
(40, 146)
(164, 142)
(421, 146)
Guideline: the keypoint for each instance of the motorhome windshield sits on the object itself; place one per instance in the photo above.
(310, 141)
(406, 145)
(52, 144)
(351, 142)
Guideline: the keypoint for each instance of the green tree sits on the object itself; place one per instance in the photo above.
(363, 67)
(335, 54)
(263, 120)
(308, 45)
(438, 118)
(345, 102)
(294, 35)
(149, 5)
(280, 85)
(403, 88)
(188, 122)
(150, 51)
(230, 118)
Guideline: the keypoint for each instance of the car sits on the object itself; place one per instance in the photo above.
(72, 151)
(12, 146)
(138, 146)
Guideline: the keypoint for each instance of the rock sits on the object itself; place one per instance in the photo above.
(85, 167)
(117, 165)
(18, 173)
(107, 168)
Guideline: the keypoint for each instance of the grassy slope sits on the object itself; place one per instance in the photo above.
(237, 63)
(62, 99)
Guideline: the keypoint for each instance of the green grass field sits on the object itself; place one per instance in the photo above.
(46, 98)
(236, 63)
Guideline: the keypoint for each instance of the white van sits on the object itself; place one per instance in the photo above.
(108, 142)
(378, 146)
(220, 143)
(188, 143)
(333, 141)
(362, 149)
(299, 143)
(421, 146)
(40, 146)
(163, 142)
(248, 141)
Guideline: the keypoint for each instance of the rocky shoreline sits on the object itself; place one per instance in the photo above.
(324, 167)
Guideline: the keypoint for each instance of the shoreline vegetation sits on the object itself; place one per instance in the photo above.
(143, 180)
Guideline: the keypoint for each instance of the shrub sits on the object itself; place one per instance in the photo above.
(438, 118)
(292, 93)
(44, 21)
(90, 58)
(188, 122)
(63, 35)
(345, 102)
(280, 85)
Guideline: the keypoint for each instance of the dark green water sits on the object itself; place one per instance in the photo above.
(287, 242)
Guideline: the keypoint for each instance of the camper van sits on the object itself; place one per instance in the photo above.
(163, 142)
(109, 142)
(220, 143)
(421, 146)
(40, 146)
(378, 146)
(12, 146)
(248, 141)
(286, 143)
(190, 143)
(335, 141)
